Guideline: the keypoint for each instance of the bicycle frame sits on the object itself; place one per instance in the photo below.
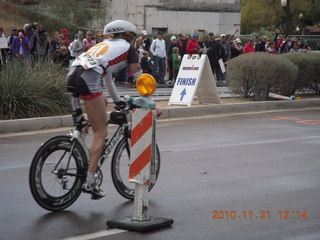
(79, 135)
(123, 130)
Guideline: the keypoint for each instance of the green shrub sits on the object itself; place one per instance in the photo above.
(37, 91)
(314, 61)
(246, 70)
(302, 60)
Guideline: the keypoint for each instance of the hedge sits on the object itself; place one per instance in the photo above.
(305, 74)
(246, 70)
(314, 60)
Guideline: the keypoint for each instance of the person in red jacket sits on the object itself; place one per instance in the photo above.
(192, 46)
(65, 33)
(249, 46)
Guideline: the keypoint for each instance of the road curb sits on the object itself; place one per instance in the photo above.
(31, 124)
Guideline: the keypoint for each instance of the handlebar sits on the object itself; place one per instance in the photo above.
(129, 103)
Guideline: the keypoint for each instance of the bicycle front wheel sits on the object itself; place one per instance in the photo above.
(56, 174)
(120, 169)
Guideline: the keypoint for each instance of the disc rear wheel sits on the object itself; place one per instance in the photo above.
(56, 174)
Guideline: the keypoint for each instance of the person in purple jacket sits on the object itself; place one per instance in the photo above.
(20, 46)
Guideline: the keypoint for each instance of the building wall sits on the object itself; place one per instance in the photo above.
(190, 22)
(188, 16)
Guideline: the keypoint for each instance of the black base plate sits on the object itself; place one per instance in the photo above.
(152, 224)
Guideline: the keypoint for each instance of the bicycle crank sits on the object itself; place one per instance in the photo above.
(99, 177)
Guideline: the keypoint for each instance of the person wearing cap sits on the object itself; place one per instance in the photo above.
(13, 34)
(158, 50)
(306, 46)
(234, 51)
(70, 48)
(192, 46)
(65, 33)
(39, 46)
(146, 41)
(227, 53)
(173, 43)
(238, 45)
(20, 45)
(226, 46)
(249, 46)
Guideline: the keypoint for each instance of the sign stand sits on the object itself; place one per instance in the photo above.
(142, 173)
(195, 78)
(3, 44)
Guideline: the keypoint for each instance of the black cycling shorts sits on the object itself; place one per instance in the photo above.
(84, 83)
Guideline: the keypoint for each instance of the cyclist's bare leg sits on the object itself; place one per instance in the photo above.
(96, 111)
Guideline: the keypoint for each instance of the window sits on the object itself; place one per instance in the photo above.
(164, 30)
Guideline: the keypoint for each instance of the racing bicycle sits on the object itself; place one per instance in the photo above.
(59, 167)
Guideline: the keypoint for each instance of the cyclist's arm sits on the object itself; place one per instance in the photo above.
(133, 61)
(135, 68)
(111, 88)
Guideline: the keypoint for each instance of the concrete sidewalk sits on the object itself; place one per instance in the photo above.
(31, 124)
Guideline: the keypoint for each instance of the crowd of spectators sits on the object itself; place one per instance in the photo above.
(32, 43)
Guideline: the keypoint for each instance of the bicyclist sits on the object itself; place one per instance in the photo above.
(84, 81)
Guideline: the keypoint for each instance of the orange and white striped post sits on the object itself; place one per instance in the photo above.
(141, 158)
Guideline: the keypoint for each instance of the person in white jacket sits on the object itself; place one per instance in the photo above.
(158, 50)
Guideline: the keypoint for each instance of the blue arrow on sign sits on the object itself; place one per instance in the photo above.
(183, 93)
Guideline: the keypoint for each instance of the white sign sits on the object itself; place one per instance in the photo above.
(195, 77)
(3, 42)
(223, 68)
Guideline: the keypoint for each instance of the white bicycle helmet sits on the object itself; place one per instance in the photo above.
(120, 26)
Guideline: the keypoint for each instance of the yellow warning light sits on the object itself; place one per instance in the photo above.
(146, 84)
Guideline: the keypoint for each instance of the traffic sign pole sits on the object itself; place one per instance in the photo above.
(142, 172)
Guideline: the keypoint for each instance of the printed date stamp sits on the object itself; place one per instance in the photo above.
(260, 214)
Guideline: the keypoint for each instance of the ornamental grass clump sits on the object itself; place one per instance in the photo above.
(245, 71)
(32, 91)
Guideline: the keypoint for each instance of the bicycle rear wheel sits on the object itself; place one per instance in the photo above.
(56, 174)
(120, 169)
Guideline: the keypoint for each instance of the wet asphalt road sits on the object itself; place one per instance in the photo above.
(235, 177)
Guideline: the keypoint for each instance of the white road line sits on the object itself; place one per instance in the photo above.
(97, 234)
(14, 167)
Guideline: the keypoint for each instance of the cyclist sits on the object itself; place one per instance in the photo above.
(84, 81)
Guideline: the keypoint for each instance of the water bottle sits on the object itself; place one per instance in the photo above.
(144, 102)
